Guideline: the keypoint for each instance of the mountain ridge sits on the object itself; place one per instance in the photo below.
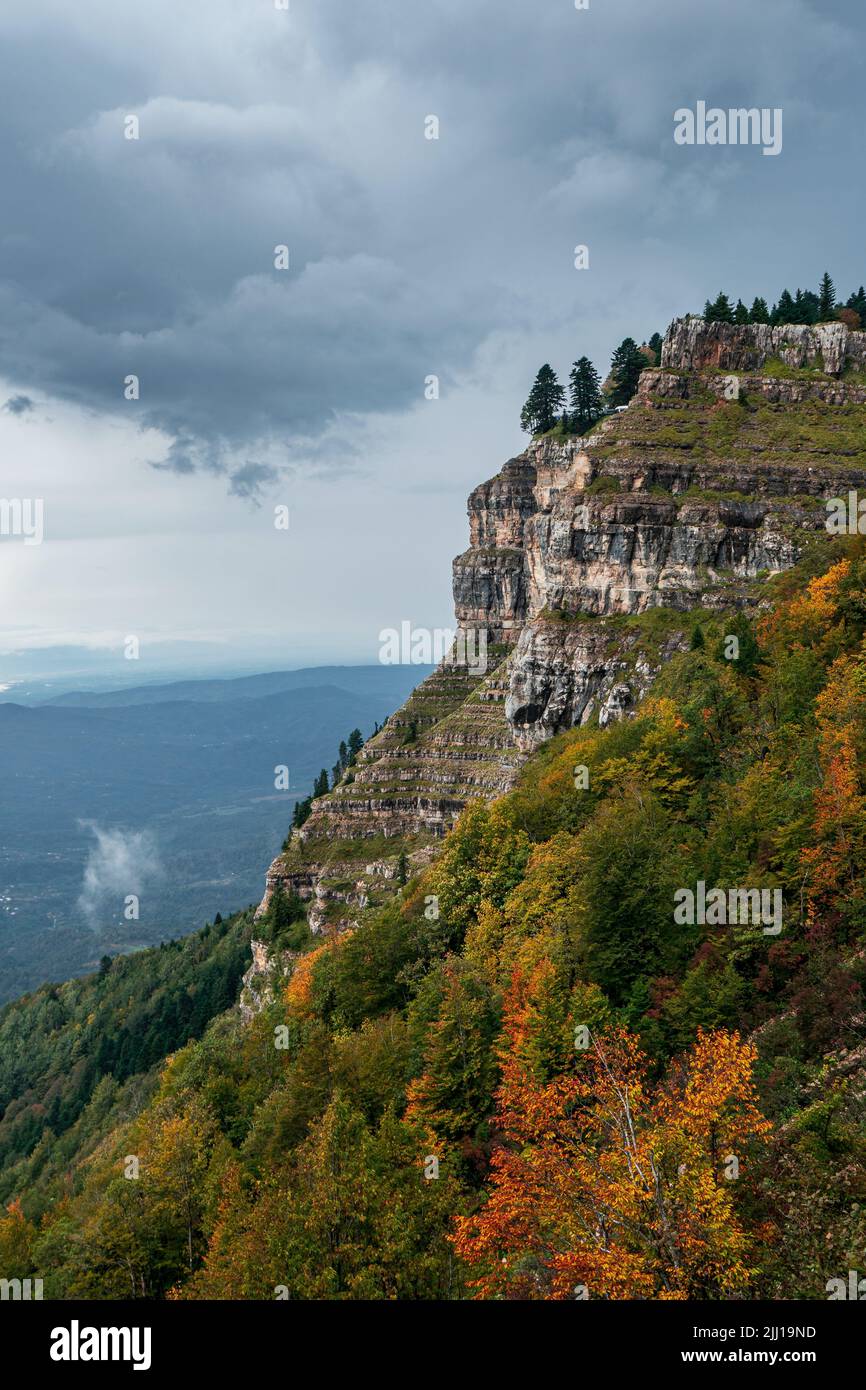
(587, 558)
(479, 1051)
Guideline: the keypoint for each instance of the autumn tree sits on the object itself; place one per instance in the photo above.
(609, 1187)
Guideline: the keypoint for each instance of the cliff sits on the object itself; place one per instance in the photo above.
(588, 562)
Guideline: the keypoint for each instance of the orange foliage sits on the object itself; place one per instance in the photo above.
(609, 1185)
(299, 991)
(808, 617)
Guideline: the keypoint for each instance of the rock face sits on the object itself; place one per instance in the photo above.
(586, 561)
(257, 985)
(715, 475)
(561, 677)
(692, 345)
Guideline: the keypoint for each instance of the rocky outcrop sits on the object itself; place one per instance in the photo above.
(257, 984)
(693, 345)
(569, 674)
(587, 560)
(714, 476)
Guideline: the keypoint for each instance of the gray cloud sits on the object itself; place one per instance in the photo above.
(249, 480)
(155, 256)
(18, 405)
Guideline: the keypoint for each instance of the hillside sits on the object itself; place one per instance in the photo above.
(577, 1006)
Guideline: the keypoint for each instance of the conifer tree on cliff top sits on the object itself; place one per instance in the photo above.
(626, 366)
(720, 310)
(826, 298)
(543, 403)
(586, 399)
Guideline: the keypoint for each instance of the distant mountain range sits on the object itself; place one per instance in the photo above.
(164, 792)
(374, 681)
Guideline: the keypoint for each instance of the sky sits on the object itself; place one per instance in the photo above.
(409, 257)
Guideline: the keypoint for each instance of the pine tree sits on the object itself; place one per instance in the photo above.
(543, 403)
(320, 786)
(857, 302)
(808, 307)
(655, 343)
(759, 313)
(626, 366)
(586, 399)
(784, 311)
(720, 310)
(356, 743)
(826, 298)
(741, 313)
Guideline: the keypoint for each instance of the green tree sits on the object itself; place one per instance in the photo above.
(655, 343)
(626, 366)
(320, 786)
(720, 310)
(807, 307)
(826, 298)
(285, 912)
(857, 302)
(586, 400)
(355, 744)
(454, 1092)
(748, 653)
(759, 312)
(741, 313)
(784, 311)
(543, 403)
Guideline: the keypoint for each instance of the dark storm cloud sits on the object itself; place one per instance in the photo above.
(155, 257)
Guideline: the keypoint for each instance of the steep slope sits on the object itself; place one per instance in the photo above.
(588, 561)
(481, 1023)
(430, 1106)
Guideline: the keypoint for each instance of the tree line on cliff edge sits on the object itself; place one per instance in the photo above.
(589, 399)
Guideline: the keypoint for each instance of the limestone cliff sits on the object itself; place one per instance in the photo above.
(587, 559)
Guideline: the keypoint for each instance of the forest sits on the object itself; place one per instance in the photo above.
(521, 1078)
